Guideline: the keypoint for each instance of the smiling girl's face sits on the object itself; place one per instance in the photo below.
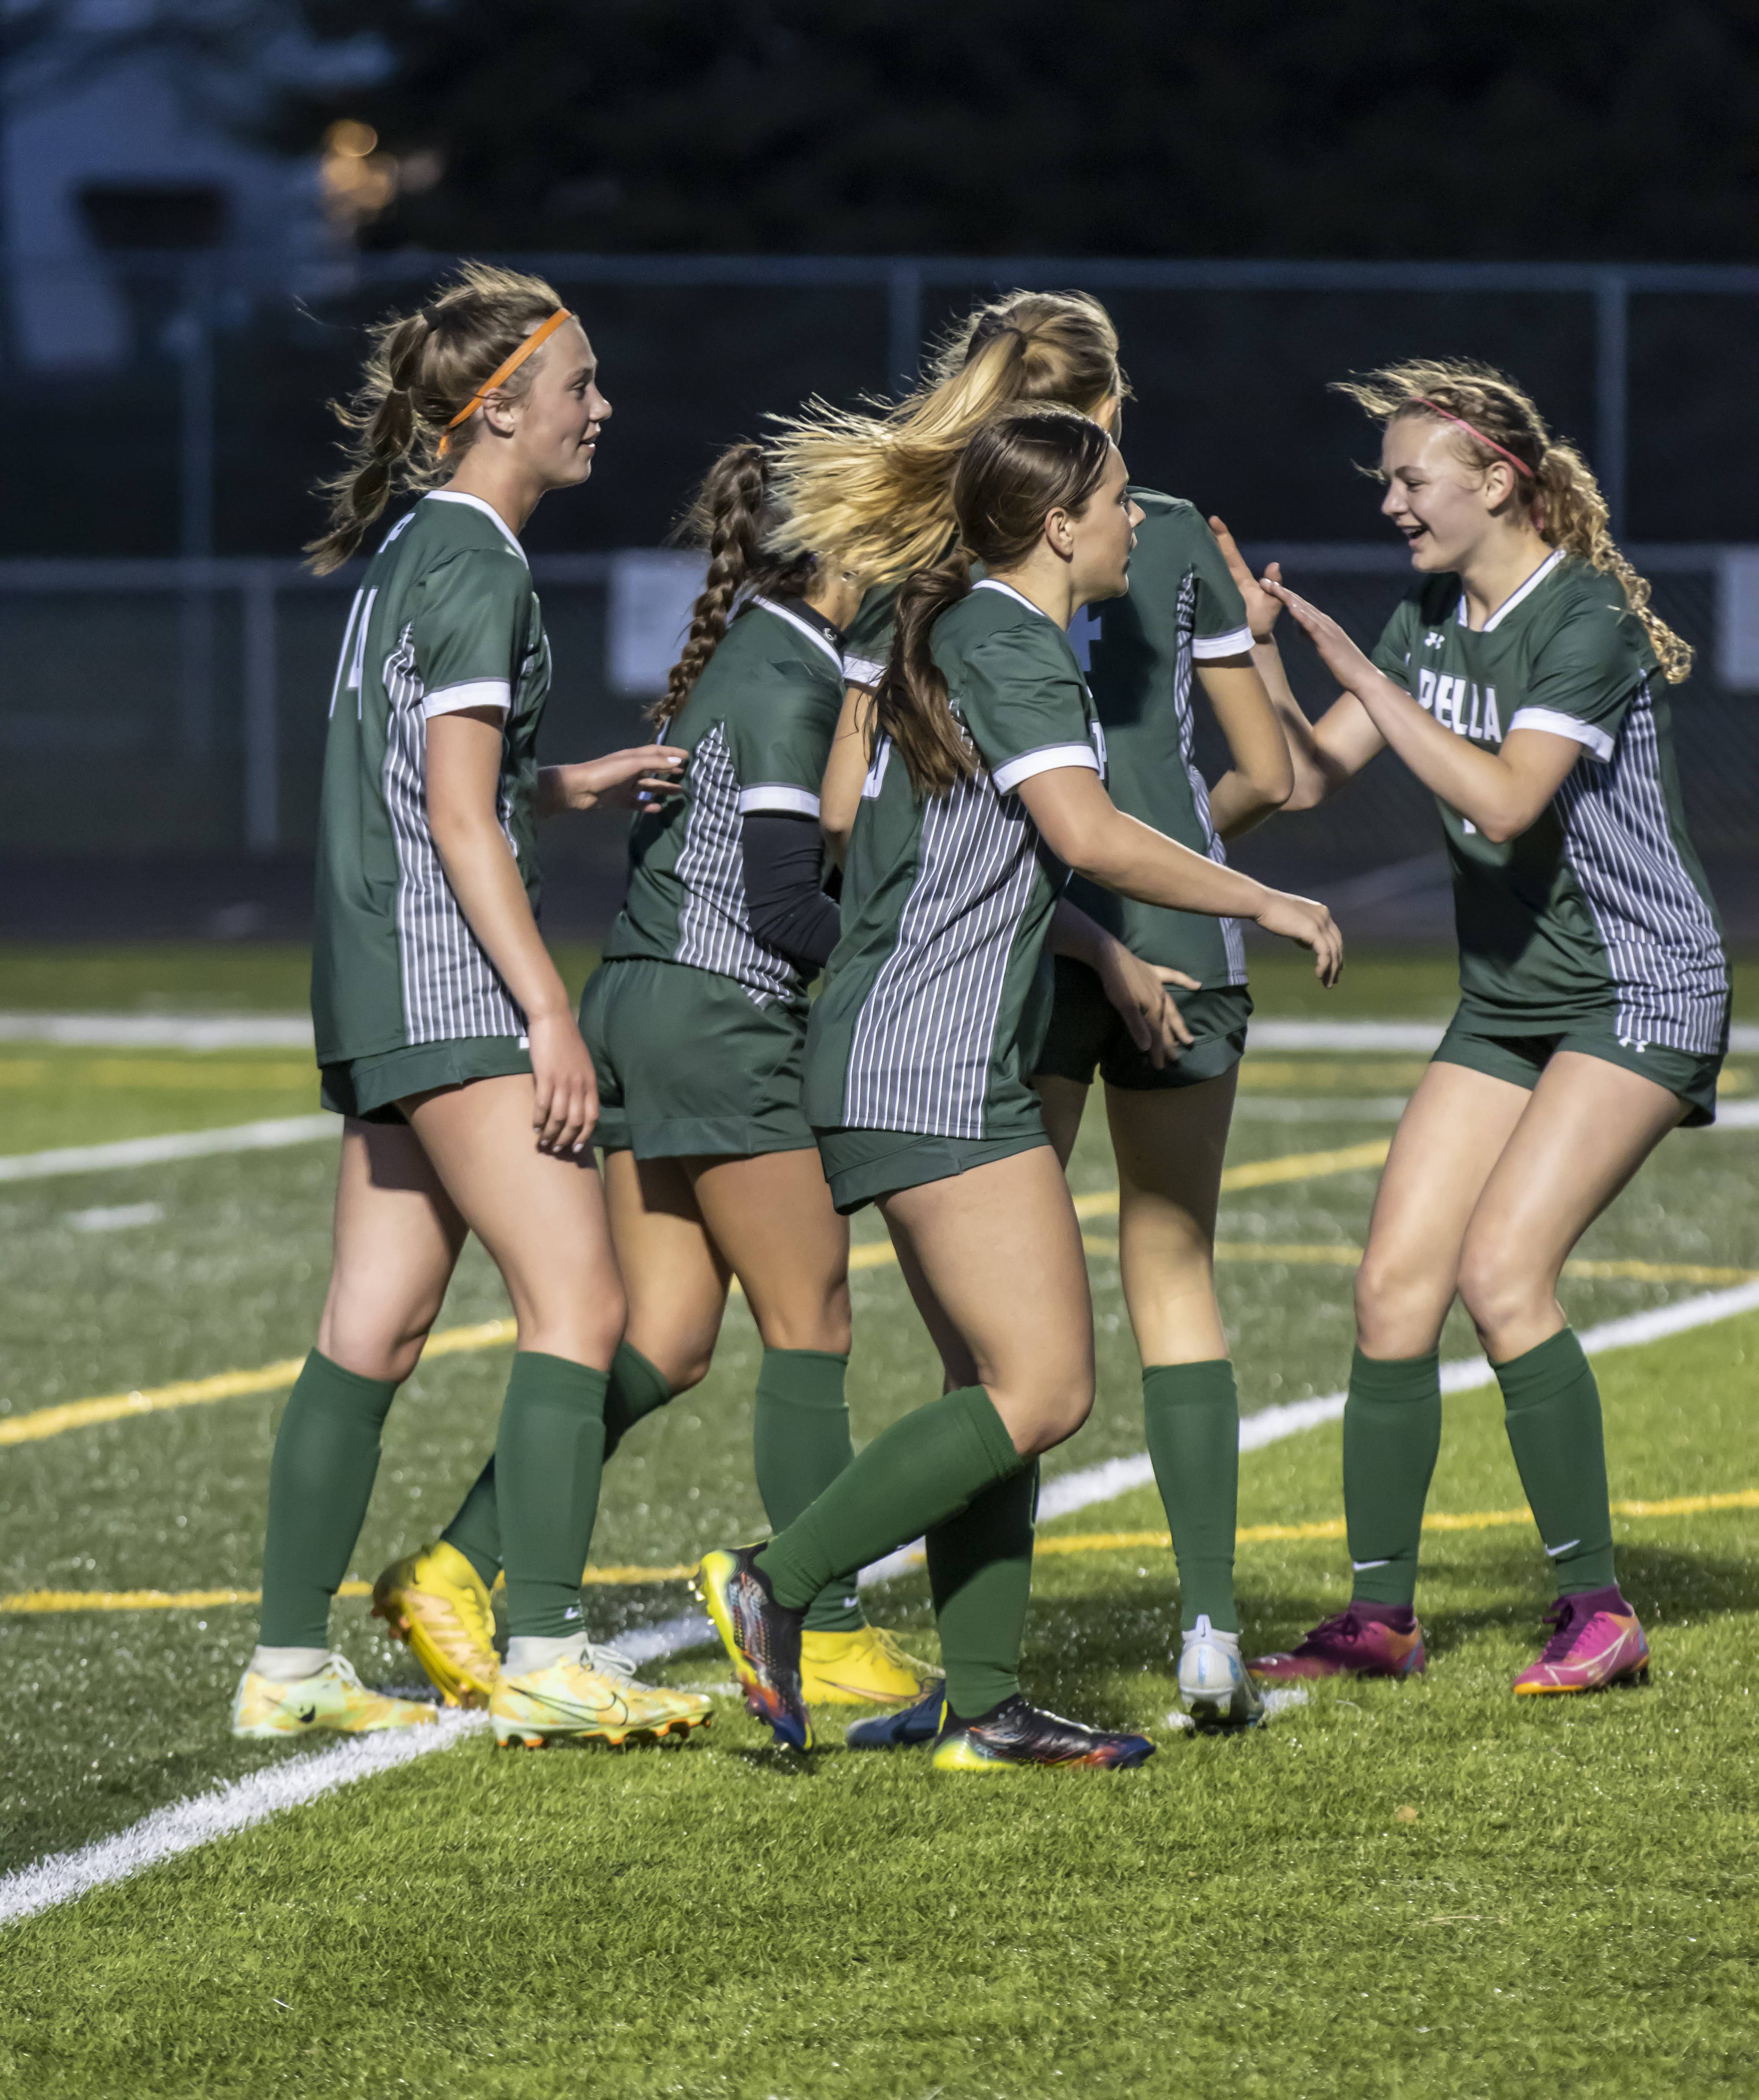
(556, 424)
(1445, 506)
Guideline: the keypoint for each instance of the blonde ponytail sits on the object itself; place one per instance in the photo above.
(421, 370)
(1494, 419)
(873, 486)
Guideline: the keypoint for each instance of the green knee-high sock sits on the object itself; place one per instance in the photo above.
(636, 1388)
(912, 1476)
(1552, 1412)
(1392, 1431)
(321, 1480)
(980, 1573)
(549, 1453)
(475, 1531)
(800, 1443)
(1192, 1415)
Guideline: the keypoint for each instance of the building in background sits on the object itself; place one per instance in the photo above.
(127, 156)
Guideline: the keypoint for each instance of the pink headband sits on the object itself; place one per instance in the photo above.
(1446, 415)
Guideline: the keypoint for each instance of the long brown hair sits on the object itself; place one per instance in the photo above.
(1559, 489)
(421, 370)
(1012, 474)
(874, 485)
(733, 517)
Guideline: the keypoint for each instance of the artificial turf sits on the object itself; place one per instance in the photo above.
(1569, 1905)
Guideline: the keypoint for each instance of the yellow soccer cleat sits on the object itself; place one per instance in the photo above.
(435, 1600)
(569, 1703)
(333, 1697)
(865, 1667)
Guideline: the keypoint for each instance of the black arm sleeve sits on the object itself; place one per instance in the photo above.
(785, 863)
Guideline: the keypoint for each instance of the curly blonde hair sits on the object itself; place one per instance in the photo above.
(1559, 489)
(872, 486)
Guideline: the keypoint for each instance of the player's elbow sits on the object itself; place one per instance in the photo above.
(1507, 822)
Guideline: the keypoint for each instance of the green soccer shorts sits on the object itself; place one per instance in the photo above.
(1087, 1033)
(689, 1066)
(1484, 1043)
(369, 1088)
(861, 1165)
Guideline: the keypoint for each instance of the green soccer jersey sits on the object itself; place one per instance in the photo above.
(1600, 907)
(936, 1001)
(1182, 609)
(757, 724)
(445, 619)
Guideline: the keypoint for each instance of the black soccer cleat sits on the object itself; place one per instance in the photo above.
(1015, 1735)
(762, 1639)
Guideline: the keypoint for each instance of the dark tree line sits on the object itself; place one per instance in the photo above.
(1625, 129)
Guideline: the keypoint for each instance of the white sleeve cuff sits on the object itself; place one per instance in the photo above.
(1557, 725)
(1052, 759)
(862, 671)
(478, 692)
(772, 795)
(1206, 648)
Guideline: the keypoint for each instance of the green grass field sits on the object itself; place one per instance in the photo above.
(1394, 1891)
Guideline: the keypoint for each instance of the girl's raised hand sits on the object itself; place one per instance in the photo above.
(1341, 656)
(1262, 607)
(645, 772)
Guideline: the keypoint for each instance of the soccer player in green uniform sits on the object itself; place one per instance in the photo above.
(1520, 681)
(697, 1023)
(1182, 627)
(446, 1040)
(985, 784)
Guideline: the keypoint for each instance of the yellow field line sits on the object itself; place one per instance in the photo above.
(1332, 1254)
(43, 1422)
(1079, 1542)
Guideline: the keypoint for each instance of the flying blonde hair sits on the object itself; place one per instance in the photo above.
(1494, 420)
(871, 488)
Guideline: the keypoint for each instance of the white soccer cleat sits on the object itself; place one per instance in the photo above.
(1212, 1683)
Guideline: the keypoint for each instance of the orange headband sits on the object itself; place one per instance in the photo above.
(1448, 416)
(505, 370)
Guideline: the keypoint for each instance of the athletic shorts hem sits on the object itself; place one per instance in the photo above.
(369, 1088)
(684, 1137)
(1087, 1033)
(1518, 1057)
(863, 1165)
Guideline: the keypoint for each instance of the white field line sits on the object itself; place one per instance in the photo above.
(188, 1824)
(293, 1031)
(267, 1136)
(160, 1031)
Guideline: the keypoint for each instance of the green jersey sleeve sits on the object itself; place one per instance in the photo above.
(1021, 696)
(1221, 629)
(869, 642)
(780, 748)
(471, 613)
(1392, 652)
(1586, 673)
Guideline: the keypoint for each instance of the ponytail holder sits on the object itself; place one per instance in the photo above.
(505, 370)
(1448, 416)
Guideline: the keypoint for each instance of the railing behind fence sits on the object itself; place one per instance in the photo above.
(109, 744)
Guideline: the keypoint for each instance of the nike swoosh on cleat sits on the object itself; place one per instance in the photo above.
(309, 1715)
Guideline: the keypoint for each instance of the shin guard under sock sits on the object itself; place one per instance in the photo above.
(1192, 1415)
(800, 1443)
(549, 1455)
(912, 1476)
(1552, 1412)
(1392, 1431)
(320, 1481)
(980, 1573)
(635, 1389)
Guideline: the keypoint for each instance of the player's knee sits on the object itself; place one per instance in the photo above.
(1498, 1287)
(1047, 1412)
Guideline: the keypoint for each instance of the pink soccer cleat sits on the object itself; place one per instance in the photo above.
(1595, 1641)
(1350, 1645)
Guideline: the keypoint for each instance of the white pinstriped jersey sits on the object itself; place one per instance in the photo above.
(445, 619)
(757, 724)
(936, 1002)
(1601, 906)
